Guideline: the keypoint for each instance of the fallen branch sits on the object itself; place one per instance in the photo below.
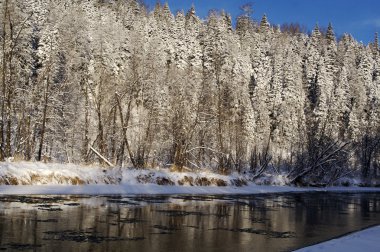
(103, 158)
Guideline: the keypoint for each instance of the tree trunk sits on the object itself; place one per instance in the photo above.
(113, 135)
(86, 141)
(43, 129)
(124, 126)
(100, 129)
(4, 84)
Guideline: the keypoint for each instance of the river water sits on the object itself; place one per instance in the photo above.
(268, 222)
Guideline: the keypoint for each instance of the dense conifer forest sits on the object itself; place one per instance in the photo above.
(149, 87)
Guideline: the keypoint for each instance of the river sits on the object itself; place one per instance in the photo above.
(266, 222)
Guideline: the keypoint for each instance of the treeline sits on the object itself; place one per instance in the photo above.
(150, 88)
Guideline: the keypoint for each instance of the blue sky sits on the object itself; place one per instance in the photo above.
(361, 18)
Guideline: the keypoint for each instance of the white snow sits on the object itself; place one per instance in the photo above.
(366, 240)
(42, 173)
(41, 178)
(39, 173)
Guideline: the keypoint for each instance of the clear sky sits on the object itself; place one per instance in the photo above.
(361, 18)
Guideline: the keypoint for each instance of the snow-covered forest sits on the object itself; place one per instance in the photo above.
(161, 89)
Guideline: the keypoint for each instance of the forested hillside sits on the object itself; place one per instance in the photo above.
(157, 88)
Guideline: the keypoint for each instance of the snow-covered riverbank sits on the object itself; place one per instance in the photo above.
(38, 173)
(366, 240)
(41, 178)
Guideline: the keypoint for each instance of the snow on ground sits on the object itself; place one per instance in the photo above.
(366, 240)
(38, 173)
(40, 178)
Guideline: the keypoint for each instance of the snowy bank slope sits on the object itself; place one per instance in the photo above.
(366, 240)
(40, 178)
(37, 173)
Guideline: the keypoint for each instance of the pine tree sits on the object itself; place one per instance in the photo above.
(375, 45)
(264, 24)
(330, 35)
(191, 18)
(376, 42)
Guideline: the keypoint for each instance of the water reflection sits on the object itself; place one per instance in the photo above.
(182, 223)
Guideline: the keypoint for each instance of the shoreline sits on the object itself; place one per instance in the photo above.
(153, 189)
(17, 178)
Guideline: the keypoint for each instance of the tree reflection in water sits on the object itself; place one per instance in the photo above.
(182, 223)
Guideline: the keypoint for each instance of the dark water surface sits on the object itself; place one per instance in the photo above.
(271, 222)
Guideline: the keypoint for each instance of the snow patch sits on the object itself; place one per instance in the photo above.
(366, 240)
